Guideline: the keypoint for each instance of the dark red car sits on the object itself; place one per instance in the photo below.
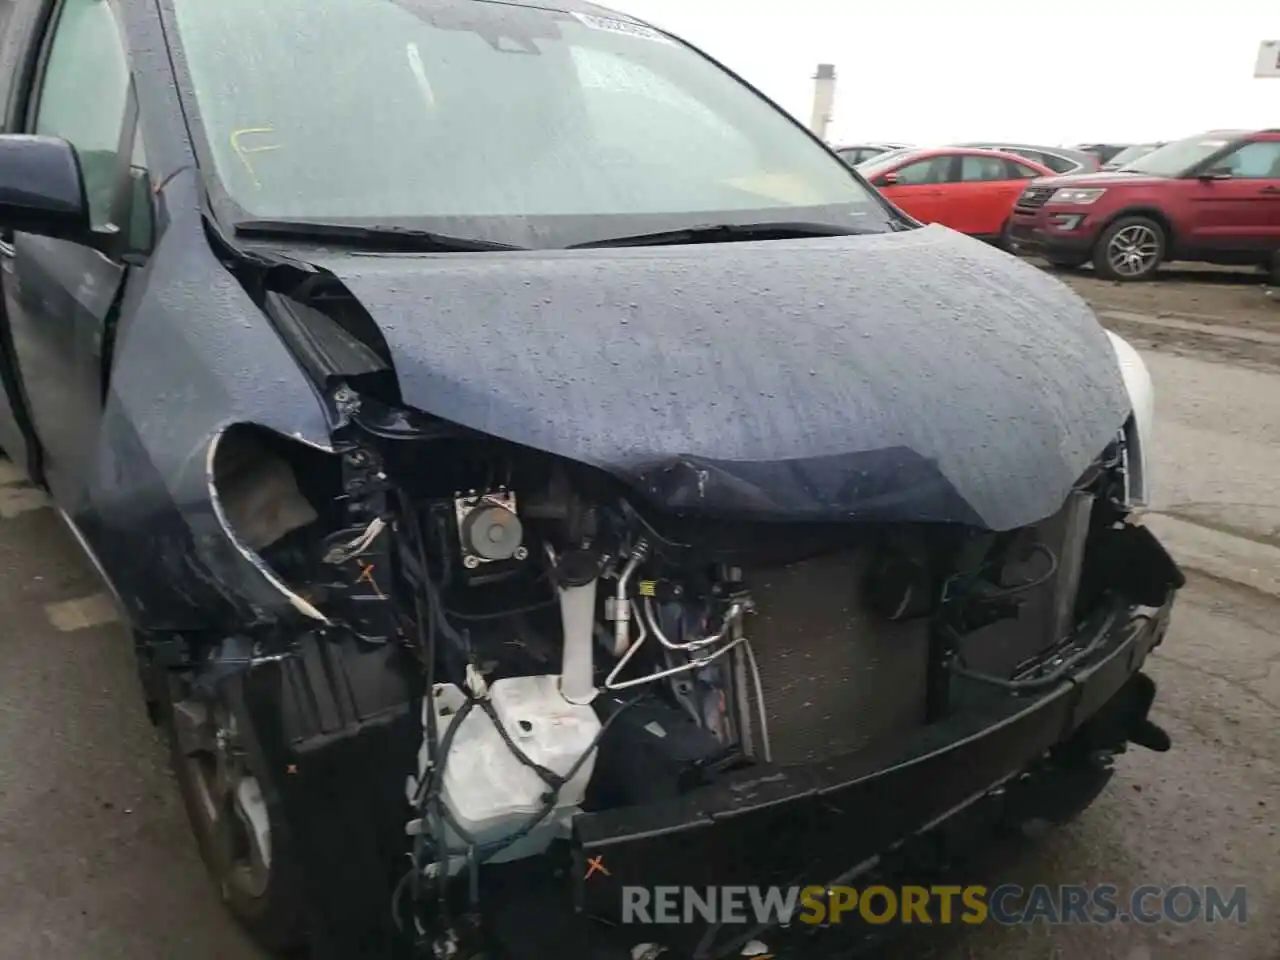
(1213, 198)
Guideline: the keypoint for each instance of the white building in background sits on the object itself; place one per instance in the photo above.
(1268, 64)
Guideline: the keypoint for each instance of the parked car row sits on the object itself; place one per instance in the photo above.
(1213, 197)
(1084, 158)
(970, 187)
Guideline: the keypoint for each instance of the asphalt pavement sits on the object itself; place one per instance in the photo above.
(96, 860)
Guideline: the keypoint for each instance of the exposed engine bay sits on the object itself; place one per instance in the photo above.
(572, 650)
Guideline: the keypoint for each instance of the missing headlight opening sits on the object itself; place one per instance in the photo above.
(543, 643)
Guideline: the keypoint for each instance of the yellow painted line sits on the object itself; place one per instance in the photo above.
(91, 611)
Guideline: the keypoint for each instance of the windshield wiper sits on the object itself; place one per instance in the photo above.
(723, 233)
(380, 237)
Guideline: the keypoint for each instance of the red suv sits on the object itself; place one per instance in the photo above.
(1214, 198)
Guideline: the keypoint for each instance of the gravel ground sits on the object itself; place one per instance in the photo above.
(1229, 315)
(1240, 297)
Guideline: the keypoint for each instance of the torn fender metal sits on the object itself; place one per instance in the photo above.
(917, 376)
(193, 355)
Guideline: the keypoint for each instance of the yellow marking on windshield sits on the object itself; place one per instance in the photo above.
(243, 152)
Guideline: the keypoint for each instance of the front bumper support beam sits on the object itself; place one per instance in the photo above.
(827, 822)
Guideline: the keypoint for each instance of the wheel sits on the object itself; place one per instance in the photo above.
(1004, 241)
(230, 818)
(1132, 248)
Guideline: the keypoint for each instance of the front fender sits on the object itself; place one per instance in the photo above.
(194, 354)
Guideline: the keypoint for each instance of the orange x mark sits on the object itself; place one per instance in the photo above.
(596, 865)
(366, 576)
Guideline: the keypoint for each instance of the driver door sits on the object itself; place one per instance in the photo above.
(1241, 210)
(59, 296)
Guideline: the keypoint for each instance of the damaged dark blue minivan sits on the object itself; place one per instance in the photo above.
(532, 465)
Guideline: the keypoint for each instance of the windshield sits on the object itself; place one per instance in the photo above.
(1129, 154)
(512, 123)
(1175, 159)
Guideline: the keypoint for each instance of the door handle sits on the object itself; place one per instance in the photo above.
(7, 249)
(1270, 190)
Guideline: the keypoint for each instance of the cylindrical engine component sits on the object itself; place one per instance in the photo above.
(492, 531)
(577, 575)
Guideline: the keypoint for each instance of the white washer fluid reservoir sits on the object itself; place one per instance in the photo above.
(489, 791)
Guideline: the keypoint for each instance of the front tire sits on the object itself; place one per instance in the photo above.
(1130, 249)
(230, 817)
(1004, 241)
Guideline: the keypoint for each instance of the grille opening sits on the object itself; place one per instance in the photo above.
(838, 677)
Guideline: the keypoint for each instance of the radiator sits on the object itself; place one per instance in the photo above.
(835, 676)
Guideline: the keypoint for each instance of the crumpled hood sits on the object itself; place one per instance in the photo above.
(911, 376)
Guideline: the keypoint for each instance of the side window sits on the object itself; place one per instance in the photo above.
(930, 170)
(83, 93)
(1020, 171)
(1056, 163)
(979, 169)
(1254, 161)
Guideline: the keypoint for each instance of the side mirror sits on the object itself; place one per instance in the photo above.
(42, 189)
(1218, 173)
(888, 180)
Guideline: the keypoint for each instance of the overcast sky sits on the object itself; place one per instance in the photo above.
(933, 71)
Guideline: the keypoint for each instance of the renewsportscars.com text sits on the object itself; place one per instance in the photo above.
(1008, 904)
